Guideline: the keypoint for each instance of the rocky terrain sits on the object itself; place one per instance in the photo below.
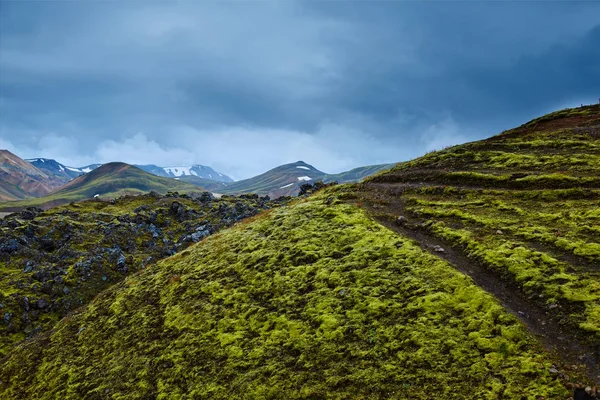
(55, 261)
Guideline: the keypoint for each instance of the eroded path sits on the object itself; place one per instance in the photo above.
(385, 203)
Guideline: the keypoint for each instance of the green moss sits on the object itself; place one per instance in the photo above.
(309, 301)
(544, 241)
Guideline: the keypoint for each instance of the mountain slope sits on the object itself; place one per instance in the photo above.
(559, 150)
(108, 181)
(58, 170)
(523, 207)
(20, 179)
(284, 180)
(309, 301)
(200, 171)
(208, 184)
(356, 174)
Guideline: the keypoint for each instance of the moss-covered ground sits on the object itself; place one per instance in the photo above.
(53, 262)
(525, 205)
(550, 248)
(313, 300)
(557, 151)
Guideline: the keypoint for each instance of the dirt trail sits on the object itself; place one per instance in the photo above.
(560, 340)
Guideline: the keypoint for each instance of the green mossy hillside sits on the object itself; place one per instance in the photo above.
(521, 207)
(547, 243)
(313, 300)
(560, 150)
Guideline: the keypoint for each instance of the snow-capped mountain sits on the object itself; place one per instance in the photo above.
(201, 171)
(54, 168)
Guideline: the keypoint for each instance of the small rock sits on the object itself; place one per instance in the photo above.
(553, 371)
(104, 278)
(438, 249)
(28, 266)
(66, 290)
(41, 304)
(401, 220)
(552, 306)
(499, 232)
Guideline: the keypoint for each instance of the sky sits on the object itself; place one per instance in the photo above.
(246, 86)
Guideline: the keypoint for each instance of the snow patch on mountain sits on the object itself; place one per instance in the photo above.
(303, 167)
(180, 171)
(200, 171)
(304, 178)
(286, 186)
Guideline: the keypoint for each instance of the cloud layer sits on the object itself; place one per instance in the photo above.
(246, 86)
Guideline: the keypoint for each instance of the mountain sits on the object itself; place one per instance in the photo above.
(107, 181)
(200, 171)
(286, 179)
(356, 174)
(467, 273)
(207, 184)
(21, 180)
(60, 171)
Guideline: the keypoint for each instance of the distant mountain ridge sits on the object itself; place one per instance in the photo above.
(200, 171)
(21, 180)
(47, 175)
(53, 167)
(286, 179)
(107, 181)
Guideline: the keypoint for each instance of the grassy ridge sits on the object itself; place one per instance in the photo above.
(560, 150)
(356, 174)
(309, 301)
(524, 204)
(550, 248)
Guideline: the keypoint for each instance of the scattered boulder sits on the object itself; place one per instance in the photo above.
(401, 220)
(10, 246)
(438, 249)
(41, 304)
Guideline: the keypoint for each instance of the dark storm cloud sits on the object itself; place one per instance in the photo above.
(247, 86)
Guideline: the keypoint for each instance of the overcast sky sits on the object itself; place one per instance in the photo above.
(246, 86)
